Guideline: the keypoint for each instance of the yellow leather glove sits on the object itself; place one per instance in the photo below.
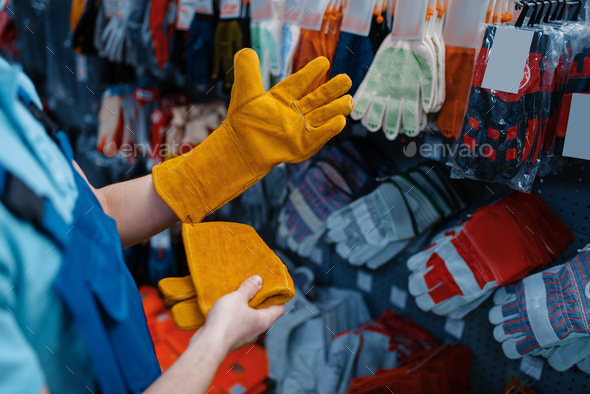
(76, 12)
(220, 257)
(262, 129)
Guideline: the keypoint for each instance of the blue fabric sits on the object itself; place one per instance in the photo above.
(101, 294)
(354, 55)
(566, 302)
(39, 335)
(199, 50)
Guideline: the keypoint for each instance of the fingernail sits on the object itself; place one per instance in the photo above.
(257, 280)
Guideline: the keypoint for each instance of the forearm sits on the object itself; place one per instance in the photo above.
(195, 369)
(136, 207)
(138, 210)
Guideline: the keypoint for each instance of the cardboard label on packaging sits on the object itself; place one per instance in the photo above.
(109, 6)
(312, 14)
(357, 19)
(364, 281)
(292, 10)
(532, 366)
(261, 9)
(398, 297)
(204, 7)
(507, 69)
(229, 9)
(577, 138)
(185, 15)
(409, 20)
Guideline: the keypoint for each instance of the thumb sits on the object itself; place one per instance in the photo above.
(250, 287)
(247, 77)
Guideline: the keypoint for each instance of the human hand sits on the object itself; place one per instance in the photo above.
(233, 323)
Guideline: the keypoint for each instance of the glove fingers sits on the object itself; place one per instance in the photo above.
(325, 94)
(187, 315)
(320, 135)
(411, 118)
(177, 288)
(302, 82)
(392, 121)
(320, 116)
(247, 77)
(376, 113)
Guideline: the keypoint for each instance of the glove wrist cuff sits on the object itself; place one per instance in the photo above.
(199, 182)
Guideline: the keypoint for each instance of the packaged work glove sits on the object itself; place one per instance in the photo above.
(262, 130)
(464, 264)
(228, 40)
(458, 72)
(220, 257)
(502, 133)
(543, 310)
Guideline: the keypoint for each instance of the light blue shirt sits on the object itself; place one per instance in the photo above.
(39, 342)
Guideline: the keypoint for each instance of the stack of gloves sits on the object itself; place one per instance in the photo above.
(376, 227)
(406, 81)
(507, 137)
(322, 186)
(499, 244)
(299, 342)
(546, 314)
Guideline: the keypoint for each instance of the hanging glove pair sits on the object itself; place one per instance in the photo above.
(499, 244)
(322, 42)
(376, 227)
(228, 39)
(120, 41)
(262, 130)
(199, 48)
(547, 314)
(317, 190)
(405, 82)
(265, 36)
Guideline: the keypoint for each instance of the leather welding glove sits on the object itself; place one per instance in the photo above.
(218, 268)
(262, 130)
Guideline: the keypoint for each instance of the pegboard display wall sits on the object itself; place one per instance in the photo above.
(567, 193)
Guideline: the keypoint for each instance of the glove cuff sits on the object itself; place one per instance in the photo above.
(201, 181)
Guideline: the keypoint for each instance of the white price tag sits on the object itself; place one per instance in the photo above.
(357, 19)
(532, 366)
(507, 70)
(229, 9)
(261, 9)
(317, 256)
(409, 20)
(398, 297)
(292, 10)
(204, 7)
(454, 327)
(312, 14)
(185, 15)
(577, 137)
(364, 281)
